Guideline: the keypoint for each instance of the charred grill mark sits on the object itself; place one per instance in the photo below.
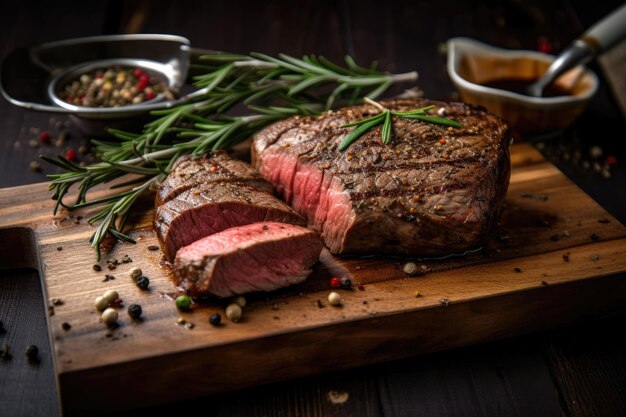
(457, 164)
(398, 192)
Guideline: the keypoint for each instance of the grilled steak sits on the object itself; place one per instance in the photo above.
(255, 257)
(433, 190)
(207, 195)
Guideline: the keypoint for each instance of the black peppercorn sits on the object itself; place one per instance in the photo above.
(97, 267)
(66, 326)
(32, 353)
(215, 319)
(153, 247)
(135, 311)
(346, 284)
(143, 282)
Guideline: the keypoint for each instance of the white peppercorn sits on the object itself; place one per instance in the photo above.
(241, 300)
(234, 312)
(334, 299)
(109, 316)
(101, 303)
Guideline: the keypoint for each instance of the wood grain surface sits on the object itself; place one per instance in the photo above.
(551, 260)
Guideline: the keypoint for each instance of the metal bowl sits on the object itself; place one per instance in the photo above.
(155, 69)
(29, 77)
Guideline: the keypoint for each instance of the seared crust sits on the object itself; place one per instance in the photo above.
(432, 190)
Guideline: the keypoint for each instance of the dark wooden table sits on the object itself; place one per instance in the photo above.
(579, 370)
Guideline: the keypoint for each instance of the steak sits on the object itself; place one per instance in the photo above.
(206, 195)
(255, 257)
(432, 190)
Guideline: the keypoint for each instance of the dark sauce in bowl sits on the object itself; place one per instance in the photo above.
(520, 86)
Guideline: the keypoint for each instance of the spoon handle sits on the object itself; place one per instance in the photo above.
(599, 38)
(607, 32)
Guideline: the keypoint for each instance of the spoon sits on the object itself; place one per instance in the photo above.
(598, 39)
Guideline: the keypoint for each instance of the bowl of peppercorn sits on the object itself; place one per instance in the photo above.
(100, 81)
(112, 84)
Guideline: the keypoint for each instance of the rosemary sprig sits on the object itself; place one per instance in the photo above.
(385, 118)
(272, 88)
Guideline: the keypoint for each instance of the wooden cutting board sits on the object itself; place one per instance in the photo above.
(556, 256)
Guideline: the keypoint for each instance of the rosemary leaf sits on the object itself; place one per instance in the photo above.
(359, 131)
(387, 128)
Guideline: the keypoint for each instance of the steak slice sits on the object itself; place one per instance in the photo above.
(433, 190)
(255, 257)
(210, 194)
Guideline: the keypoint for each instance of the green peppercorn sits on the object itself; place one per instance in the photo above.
(143, 283)
(134, 311)
(183, 302)
(215, 319)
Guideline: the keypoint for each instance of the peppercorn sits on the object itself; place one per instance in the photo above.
(97, 268)
(66, 326)
(109, 317)
(101, 303)
(334, 299)
(346, 284)
(143, 283)
(183, 302)
(241, 300)
(32, 353)
(70, 155)
(135, 273)
(5, 353)
(135, 311)
(110, 296)
(153, 248)
(215, 319)
(335, 282)
(234, 312)
(410, 268)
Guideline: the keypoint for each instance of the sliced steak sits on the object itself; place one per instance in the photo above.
(210, 194)
(255, 257)
(433, 190)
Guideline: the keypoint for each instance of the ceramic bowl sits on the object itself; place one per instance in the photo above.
(472, 64)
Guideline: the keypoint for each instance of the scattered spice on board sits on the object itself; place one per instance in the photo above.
(57, 301)
(153, 248)
(566, 258)
(97, 268)
(32, 353)
(361, 288)
(126, 259)
(594, 237)
(108, 278)
(444, 302)
(604, 221)
(143, 283)
(410, 268)
(59, 248)
(595, 257)
(35, 166)
(320, 304)
(66, 326)
(417, 294)
(135, 311)
(215, 319)
(518, 270)
(5, 353)
(544, 283)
